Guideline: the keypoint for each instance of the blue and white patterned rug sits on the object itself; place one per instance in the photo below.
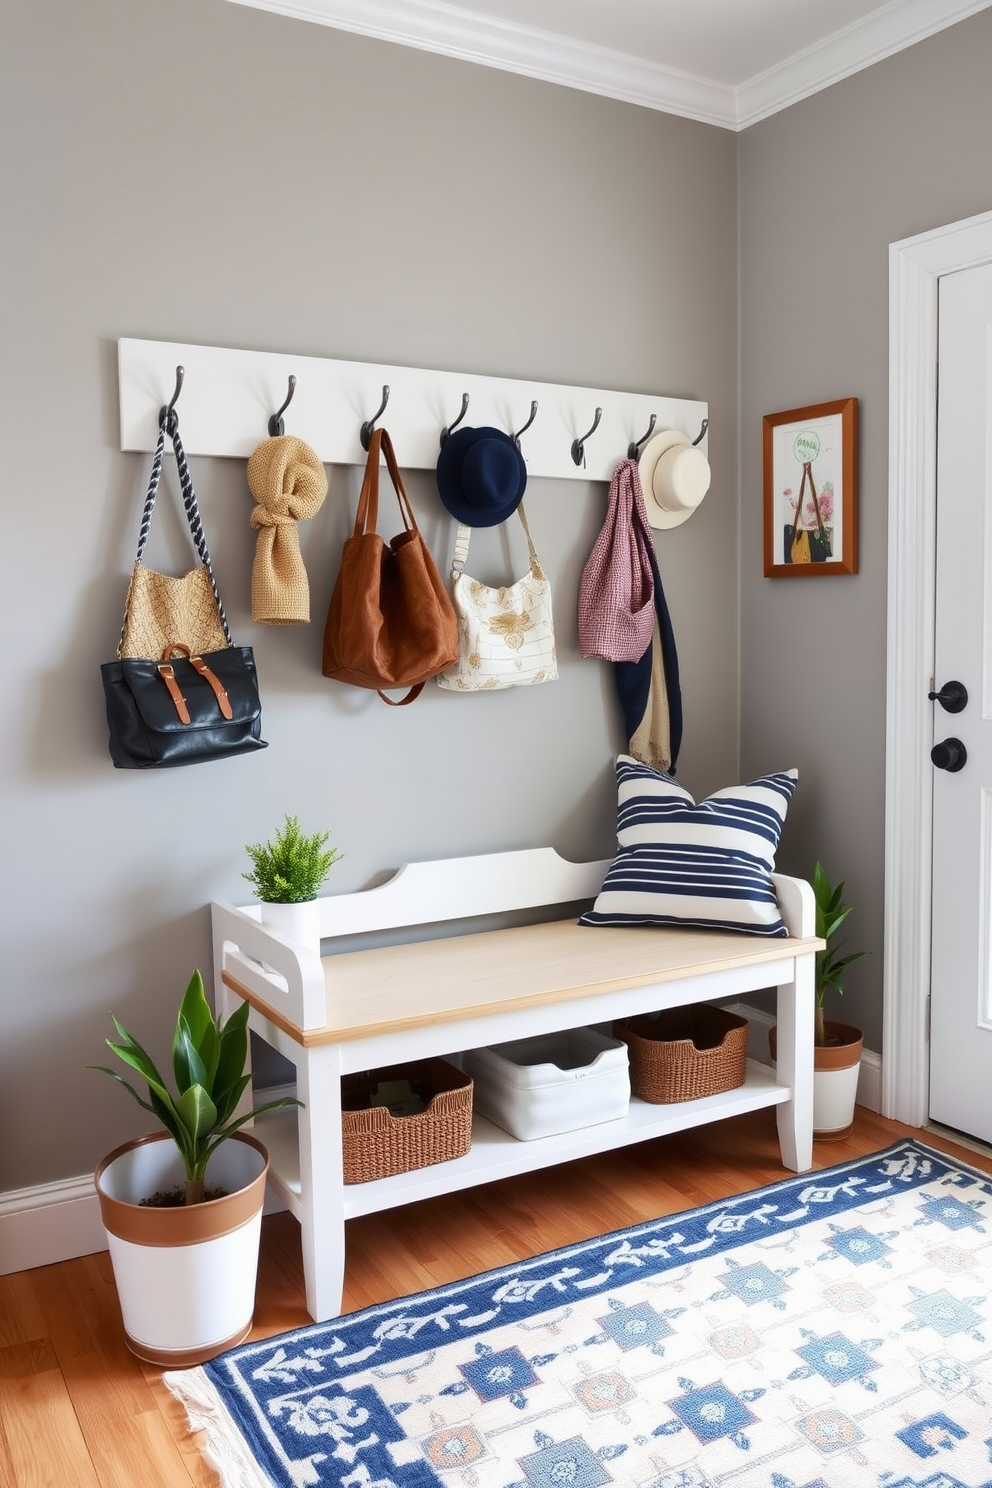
(830, 1331)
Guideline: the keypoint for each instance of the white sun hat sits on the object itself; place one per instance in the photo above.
(675, 476)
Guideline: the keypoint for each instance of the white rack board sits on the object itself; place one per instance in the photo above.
(229, 395)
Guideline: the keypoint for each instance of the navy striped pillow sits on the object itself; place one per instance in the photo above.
(682, 864)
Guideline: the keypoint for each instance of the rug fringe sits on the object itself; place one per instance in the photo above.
(225, 1449)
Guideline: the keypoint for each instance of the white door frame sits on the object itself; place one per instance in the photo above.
(915, 265)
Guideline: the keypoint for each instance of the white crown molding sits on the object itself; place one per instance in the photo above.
(453, 31)
(434, 27)
(900, 24)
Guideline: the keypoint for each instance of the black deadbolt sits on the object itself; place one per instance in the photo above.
(949, 755)
(952, 697)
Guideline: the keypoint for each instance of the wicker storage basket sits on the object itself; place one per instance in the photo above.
(684, 1052)
(377, 1144)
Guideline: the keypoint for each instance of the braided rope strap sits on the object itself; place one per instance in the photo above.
(193, 516)
(170, 425)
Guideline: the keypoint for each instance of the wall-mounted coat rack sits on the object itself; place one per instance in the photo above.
(229, 397)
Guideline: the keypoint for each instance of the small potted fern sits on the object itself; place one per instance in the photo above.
(287, 873)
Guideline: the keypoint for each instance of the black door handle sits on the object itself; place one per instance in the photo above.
(952, 697)
(949, 755)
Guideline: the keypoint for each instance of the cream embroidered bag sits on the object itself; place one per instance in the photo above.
(506, 636)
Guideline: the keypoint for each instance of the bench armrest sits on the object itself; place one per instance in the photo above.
(284, 977)
(796, 904)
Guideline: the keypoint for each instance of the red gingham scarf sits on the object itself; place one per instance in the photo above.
(616, 591)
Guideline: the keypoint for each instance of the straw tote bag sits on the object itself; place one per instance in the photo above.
(390, 622)
(506, 636)
(179, 691)
(160, 609)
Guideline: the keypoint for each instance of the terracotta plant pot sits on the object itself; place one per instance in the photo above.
(835, 1080)
(185, 1275)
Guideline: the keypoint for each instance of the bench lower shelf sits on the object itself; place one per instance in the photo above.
(495, 1154)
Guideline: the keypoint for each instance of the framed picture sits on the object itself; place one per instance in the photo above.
(811, 496)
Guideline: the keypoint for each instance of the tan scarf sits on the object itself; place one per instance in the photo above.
(651, 742)
(289, 484)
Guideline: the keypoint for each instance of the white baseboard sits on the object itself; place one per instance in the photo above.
(59, 1221)
(50, 1222)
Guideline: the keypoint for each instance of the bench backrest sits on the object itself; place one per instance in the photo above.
(458, 888)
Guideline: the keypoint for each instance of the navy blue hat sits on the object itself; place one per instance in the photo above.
(481, 476)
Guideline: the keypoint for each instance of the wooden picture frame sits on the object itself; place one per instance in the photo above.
(811, 465)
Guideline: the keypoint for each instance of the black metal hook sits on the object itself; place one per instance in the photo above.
(533, 416)
(276, 423)
(165, 413)
(578, 445)
(369, 424)
(447, 432)
(699, 437)
(634, 450)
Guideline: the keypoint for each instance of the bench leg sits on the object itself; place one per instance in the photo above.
(794, 1036)
(321, 1180)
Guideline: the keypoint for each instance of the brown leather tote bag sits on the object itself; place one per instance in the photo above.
(390, 622)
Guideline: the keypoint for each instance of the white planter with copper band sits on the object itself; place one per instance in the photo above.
(835, 1082)
(185, 1275)
(836, 1067)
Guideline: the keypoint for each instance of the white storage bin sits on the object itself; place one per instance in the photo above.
(538, 1087)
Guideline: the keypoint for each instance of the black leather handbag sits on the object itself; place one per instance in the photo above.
(181, 708)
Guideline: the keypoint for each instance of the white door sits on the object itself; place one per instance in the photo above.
(961, 971)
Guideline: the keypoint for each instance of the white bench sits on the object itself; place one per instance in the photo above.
(359, 1010)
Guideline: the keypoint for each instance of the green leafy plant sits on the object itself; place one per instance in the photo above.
(208, 1063)
(831, 912)
(292, 866)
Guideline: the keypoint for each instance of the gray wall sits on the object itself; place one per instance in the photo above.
(203, 172)
(824, 188)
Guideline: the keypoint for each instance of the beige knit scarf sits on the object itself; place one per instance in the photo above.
(289, 484)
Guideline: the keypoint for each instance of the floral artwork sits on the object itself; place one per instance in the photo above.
(810, 508)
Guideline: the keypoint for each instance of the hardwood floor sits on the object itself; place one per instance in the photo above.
(78, 1411)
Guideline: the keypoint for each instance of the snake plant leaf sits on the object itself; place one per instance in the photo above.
(168, 1115)
(194, 1010)
(226, 1101)
(233, 1051)
(133, 1054)
(844, 961)
(127, 1086)
(831, 923)
(227, 1131)
(196, 1018)
(209, 1065)
(187, 1065)
(197, 1113)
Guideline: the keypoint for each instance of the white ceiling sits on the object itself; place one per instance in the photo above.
(726, 62)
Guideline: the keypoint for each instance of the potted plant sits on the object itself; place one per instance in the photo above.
(837, 1046)
(287, 873)
(182, 1207)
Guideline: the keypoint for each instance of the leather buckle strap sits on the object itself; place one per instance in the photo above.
(219, 690)
(200, 667)
(168, 676)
